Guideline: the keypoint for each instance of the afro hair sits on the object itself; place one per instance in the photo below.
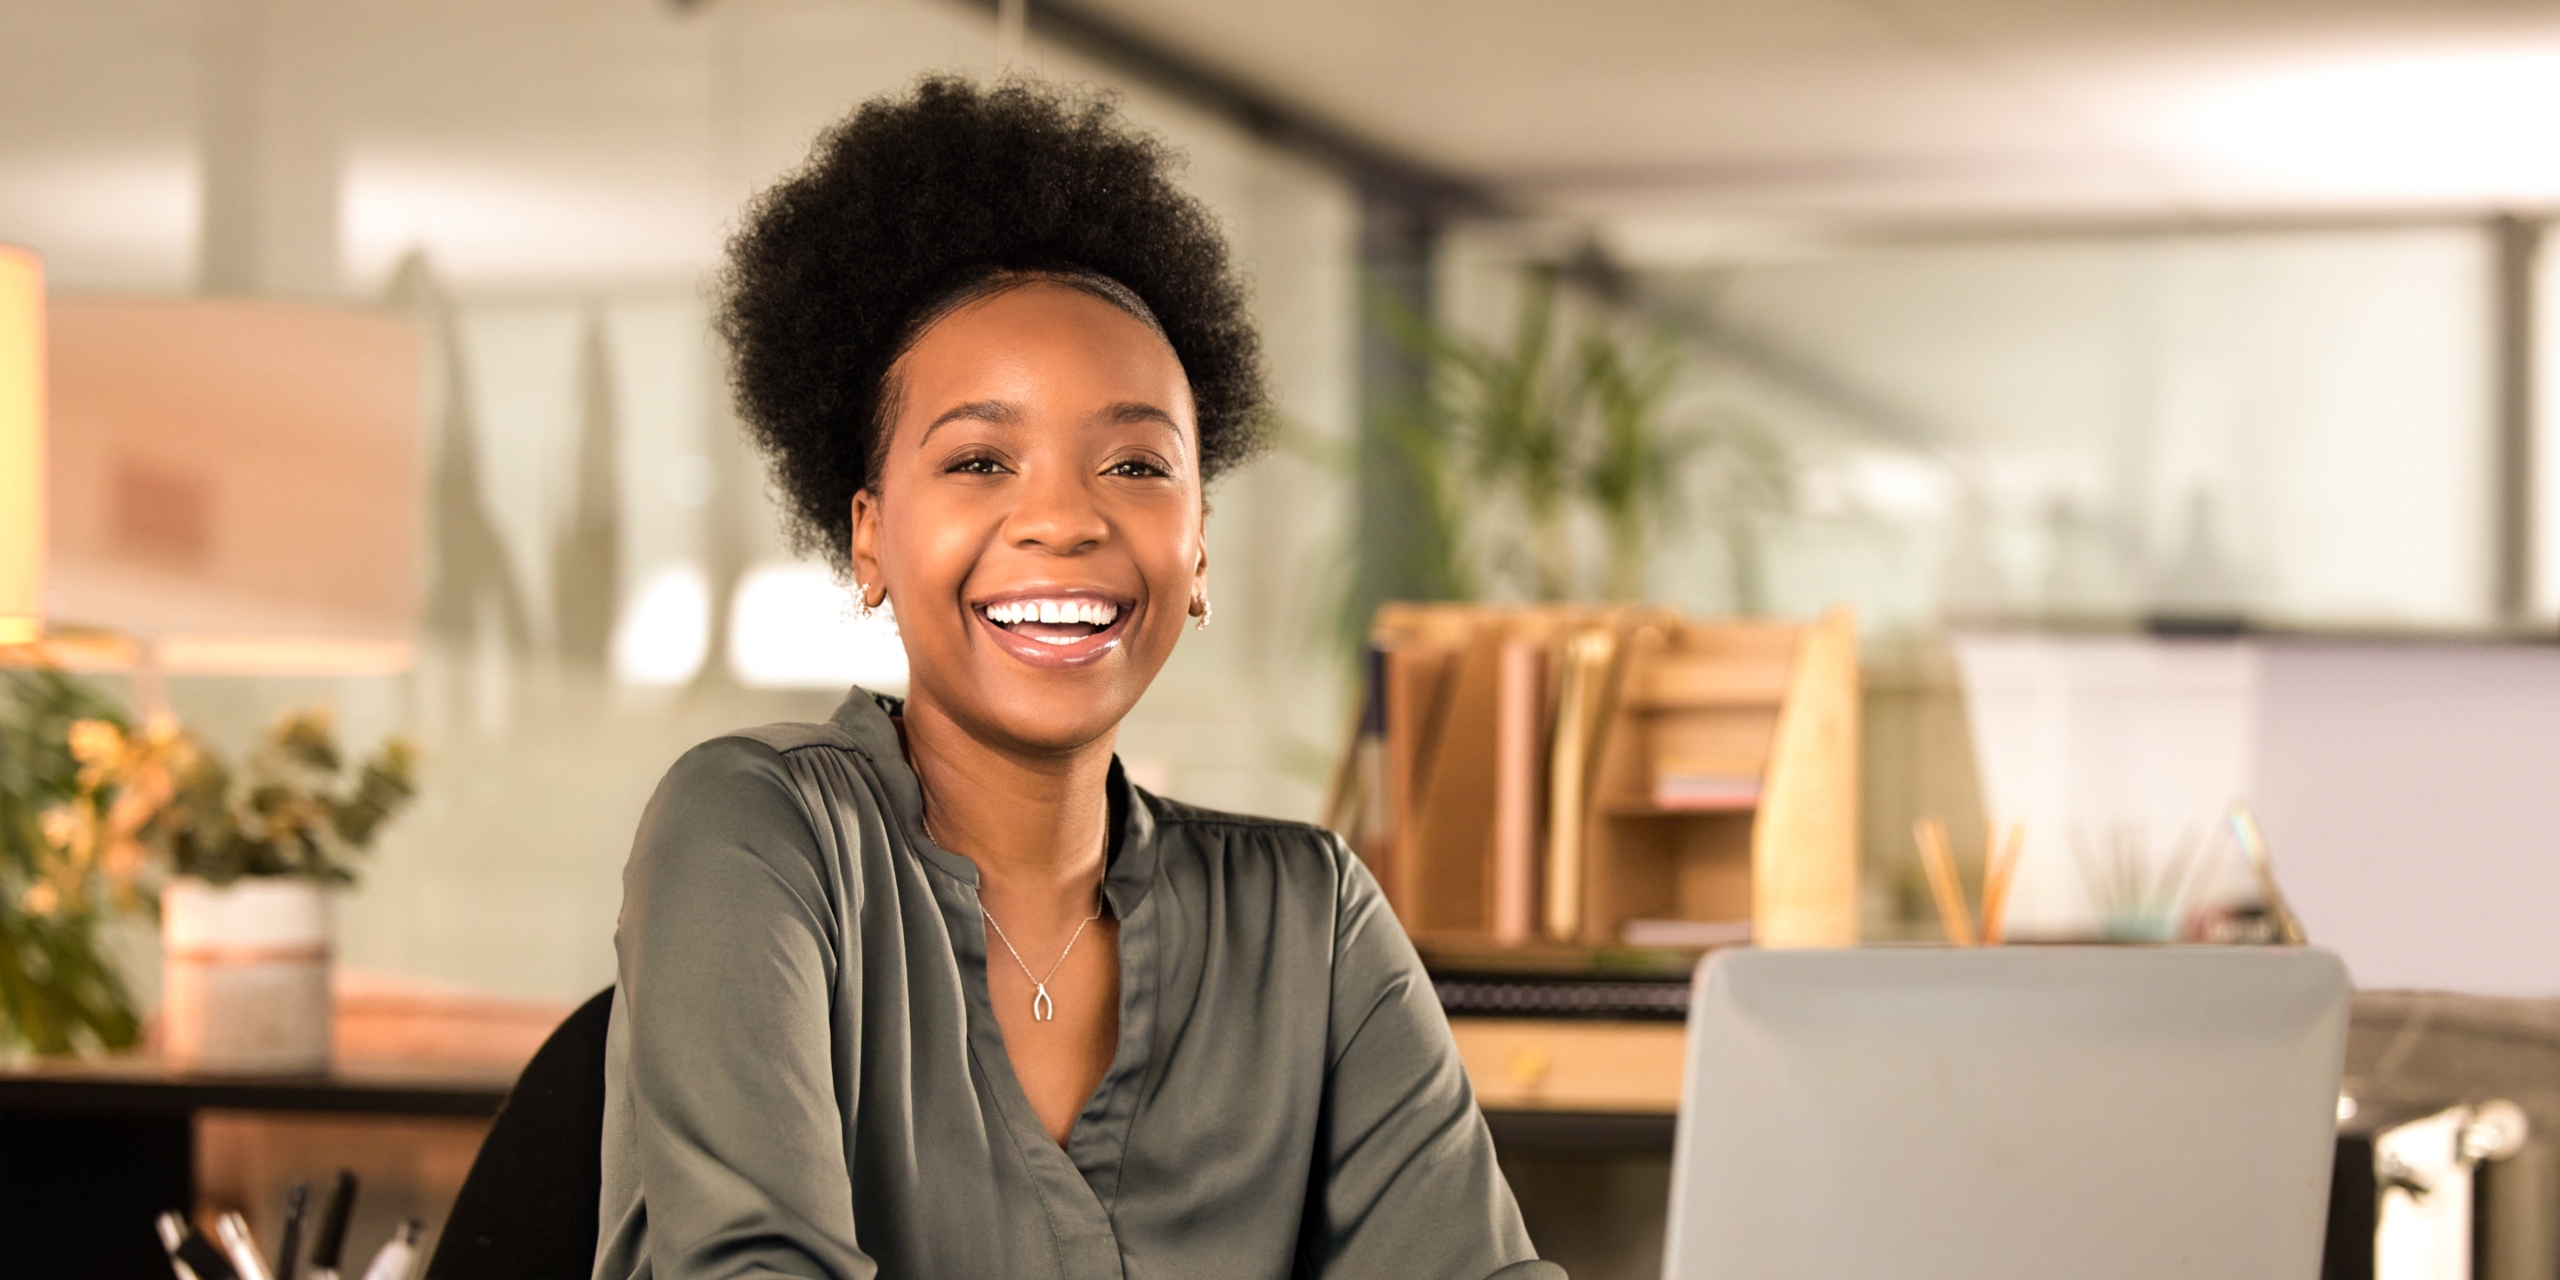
(915, 202)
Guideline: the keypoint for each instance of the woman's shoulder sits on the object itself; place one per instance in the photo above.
(749, 753)
(784, 738)
(1272, 878)
(1240, 841)
(1172, 815)
(760, 775)
(745, 756)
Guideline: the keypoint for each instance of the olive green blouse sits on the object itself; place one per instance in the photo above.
(804, 1077)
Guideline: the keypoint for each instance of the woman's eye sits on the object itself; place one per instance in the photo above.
(980, 465)
(1136, 469)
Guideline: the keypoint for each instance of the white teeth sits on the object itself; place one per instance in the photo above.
(1056, 611)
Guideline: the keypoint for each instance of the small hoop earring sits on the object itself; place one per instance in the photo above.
(1203, 623)
(862, 606)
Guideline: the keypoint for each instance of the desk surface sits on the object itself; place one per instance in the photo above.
(1572, 1065)
(143, 1085)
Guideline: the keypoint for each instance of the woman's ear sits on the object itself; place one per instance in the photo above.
(1199, 606)
(863, 549)
(1200, 569)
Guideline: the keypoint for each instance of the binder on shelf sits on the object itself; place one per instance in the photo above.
(1587, 656)
(1519, 739)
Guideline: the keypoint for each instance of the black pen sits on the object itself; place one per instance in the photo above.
(332, 1237)
(173, 1233)
(297, 1201)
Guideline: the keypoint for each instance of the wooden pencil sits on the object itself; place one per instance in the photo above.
(1943, 884)
(1997, 872)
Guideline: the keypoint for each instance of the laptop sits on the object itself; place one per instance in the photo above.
(1998, 1112)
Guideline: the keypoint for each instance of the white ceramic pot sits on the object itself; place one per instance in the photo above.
(245, 977)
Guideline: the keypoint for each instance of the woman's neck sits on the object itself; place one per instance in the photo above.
(1035, 825)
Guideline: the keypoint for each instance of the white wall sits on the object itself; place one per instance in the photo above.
(2071, 736)
(2410, 792)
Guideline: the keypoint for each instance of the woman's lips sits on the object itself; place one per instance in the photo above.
(1071, 640)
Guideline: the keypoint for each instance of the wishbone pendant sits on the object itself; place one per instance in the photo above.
(1043, 1009)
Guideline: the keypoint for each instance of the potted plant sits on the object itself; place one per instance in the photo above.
(253, 855)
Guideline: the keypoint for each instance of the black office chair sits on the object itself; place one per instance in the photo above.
(528, 1209)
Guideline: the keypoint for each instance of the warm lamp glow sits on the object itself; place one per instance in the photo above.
(22, 509)
(256, 655)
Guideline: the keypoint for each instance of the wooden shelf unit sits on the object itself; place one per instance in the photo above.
(1682, 770)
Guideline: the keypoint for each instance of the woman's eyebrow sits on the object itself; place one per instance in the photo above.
(1137, 411)
(996, 411)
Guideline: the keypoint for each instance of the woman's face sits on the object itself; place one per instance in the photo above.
(1036, 519)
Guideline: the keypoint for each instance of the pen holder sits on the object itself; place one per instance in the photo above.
(245, 978)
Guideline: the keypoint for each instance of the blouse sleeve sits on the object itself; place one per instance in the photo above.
(1406, 1183)
(727, 950)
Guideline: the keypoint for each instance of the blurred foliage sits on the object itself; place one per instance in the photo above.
(92, 809)
(59, 991)
(298, 807)
(1516, 442)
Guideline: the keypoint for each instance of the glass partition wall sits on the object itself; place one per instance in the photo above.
(2295, 426)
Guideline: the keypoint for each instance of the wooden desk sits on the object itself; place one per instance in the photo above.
(1570, 1065)
(91, 1152)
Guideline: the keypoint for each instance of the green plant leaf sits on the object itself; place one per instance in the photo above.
(59, 992)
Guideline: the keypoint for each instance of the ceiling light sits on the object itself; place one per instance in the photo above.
(2478, 126)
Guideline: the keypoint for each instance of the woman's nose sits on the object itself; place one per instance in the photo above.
(1057, 514)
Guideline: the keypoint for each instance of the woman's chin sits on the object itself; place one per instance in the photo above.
(1052, 731)
(1031, 711)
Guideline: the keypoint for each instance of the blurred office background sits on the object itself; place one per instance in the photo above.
(2056, 315)
(543, 189)
(2093, 332)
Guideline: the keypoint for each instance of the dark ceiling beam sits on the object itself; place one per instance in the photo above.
(1379, 171)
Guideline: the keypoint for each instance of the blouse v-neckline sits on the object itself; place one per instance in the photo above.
(1097, 1140)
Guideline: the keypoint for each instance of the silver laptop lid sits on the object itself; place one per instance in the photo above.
(2020, 1112)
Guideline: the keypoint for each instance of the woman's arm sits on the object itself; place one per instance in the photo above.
(1405, 1183)
(728, 958)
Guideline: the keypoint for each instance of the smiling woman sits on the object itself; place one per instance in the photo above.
(996, 358)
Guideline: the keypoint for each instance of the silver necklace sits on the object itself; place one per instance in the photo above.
(1043, 1009)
